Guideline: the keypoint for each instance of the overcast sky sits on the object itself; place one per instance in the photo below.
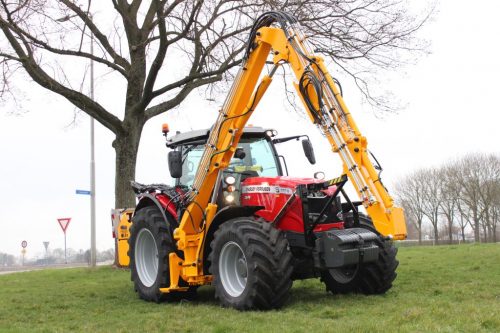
(452, 109)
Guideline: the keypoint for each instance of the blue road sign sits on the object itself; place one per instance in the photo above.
(85, 192)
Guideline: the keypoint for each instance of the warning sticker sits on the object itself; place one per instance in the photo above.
(266, 189)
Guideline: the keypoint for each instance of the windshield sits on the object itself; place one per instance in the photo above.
(259, 160)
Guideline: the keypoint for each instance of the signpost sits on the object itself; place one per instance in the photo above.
(92, 187)
(24, 244)
(64, 222)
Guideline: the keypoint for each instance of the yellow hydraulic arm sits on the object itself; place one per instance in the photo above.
(325, 107)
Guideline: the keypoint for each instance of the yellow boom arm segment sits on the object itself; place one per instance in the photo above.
(326, 109)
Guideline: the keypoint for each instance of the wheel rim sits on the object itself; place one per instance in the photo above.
(233, 269)
(146, 257)
(344, 274)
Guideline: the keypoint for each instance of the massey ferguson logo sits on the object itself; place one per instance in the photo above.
(260, 189)
(266, 189)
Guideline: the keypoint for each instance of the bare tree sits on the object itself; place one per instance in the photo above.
(464, 219)
(409, 194)
(432, 199)
(160, 51)
(474, 180)
(448, 204)
(462, 212)
(490, 180)
(495, 212)
(469, 180)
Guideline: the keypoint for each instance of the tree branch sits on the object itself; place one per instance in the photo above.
(86, 104)
(119, 60)
(183, 93)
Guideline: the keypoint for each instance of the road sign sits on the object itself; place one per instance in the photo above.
(85, 192)
(24, 244)
(64, 222)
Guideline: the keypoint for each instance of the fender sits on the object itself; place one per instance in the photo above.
(163, 203)
(224, 215)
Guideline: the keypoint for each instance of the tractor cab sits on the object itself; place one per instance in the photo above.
(256, 156)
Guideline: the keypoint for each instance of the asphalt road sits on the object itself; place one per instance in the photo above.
(19, 269)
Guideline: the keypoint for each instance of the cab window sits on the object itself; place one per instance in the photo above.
(259, 160)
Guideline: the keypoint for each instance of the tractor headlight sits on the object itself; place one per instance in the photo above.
(230, 180)
(229, 198)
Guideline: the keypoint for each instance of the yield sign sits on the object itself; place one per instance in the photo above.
(64, 222)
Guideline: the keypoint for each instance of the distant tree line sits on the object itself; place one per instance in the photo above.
(7, 259)
(460, 194)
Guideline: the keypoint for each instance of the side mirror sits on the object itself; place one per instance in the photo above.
(240, 153)
(309, 151)
(175, 164)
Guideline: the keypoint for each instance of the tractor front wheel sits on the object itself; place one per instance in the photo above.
(370, 278)
(250, 264)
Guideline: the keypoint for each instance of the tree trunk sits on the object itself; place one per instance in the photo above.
(126, 147)
(494, 230)
(476, 226)
(436, 234)
(450, 230)
(487, 219)
(420, 233)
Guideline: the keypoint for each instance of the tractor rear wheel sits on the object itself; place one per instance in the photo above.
(370, 278)
(150, 244)
(250, 264)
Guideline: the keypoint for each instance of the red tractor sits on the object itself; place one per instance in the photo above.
(269, 229)
(235, 221)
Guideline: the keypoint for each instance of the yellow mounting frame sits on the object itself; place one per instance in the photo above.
(336, 124)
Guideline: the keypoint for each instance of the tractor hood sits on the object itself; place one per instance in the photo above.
(275, 193)
(276, 185)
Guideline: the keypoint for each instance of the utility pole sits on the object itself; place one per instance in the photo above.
(92, 162)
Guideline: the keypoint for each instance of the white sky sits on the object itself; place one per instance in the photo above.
(452, 109)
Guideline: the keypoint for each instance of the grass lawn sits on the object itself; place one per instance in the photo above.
(438, 289)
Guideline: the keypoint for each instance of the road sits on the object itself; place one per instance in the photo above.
(20, 269)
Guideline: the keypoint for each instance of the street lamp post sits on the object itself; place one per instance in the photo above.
(92, 153)
(92, 162)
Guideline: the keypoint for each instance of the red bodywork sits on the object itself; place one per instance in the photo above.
(167, 203)
(272, 193)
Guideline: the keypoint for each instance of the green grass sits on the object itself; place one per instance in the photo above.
(438, 289)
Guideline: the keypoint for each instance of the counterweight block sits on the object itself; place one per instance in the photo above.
(338, 248)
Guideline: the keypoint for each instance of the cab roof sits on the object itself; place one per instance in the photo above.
(201, 136)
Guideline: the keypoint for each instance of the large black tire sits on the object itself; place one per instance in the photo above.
(370, 278)
(250, 264)
(149, 271)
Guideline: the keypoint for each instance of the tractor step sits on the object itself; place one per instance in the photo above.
(169, 290)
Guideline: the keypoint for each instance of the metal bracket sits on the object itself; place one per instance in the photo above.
(175, 268)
